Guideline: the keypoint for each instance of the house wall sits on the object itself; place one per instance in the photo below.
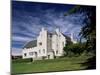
(58, 43)
(46, 46)
(49, 42)
(54, 44)
(62, 43)
(40, 49)
(42, 38)
(29, 53)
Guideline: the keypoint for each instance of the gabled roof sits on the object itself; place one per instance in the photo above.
(31, 44)
(67, 37)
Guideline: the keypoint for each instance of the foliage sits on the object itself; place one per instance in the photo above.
(88, 31)
(74, 49)
(22, 60)
(73, 10)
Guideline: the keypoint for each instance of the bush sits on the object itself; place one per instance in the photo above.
(22, 60)
(74, 49)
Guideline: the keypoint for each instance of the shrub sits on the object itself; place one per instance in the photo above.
(22, 60)
(74, 49)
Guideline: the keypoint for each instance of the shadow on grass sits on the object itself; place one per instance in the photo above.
(84, 62)
(90, 63)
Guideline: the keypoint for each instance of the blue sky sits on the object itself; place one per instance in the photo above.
(29, 17)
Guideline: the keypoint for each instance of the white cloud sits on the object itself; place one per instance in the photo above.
(32, 24)
(16, 51)
(20, 39)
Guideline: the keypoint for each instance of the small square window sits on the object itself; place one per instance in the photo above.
(31, 53)
(57, 52)
(63, 44)
(50, 35)
(25, 54)
(40, 43)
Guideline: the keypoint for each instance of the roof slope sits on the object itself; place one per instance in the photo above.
(31, 44)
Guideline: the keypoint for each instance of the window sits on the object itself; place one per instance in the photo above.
(63, 44)
(25, 54)
(43, 50)
(31, 53)
(59, 35)
(36, 54)
(39, 51)
(57, 52)
(50, 36)
(57, 45)
(40, 43)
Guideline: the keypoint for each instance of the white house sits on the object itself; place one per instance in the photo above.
(46, 46)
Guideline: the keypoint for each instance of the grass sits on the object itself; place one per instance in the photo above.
(60, 64)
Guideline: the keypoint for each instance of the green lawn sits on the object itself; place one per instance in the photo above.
(60, 64)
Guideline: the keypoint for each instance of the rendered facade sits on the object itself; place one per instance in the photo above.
(46, 46)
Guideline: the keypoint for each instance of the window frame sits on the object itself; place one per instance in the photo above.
(31, 53)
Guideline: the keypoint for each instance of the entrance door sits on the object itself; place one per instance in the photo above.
(48, 56)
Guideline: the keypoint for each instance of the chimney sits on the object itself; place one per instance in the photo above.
(72, 38)
(43, 28)
(57, 30)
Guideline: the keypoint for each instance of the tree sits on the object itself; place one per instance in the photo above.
(74, 49)
(88, 31)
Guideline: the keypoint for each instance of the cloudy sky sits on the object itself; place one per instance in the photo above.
(29, 17)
